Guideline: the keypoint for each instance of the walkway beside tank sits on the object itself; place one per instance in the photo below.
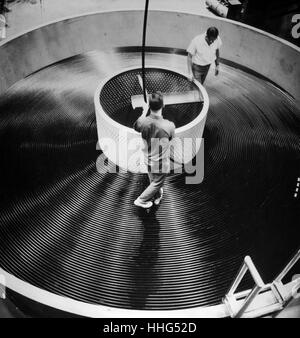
(27, 15)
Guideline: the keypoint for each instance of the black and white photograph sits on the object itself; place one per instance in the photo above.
(149, 162)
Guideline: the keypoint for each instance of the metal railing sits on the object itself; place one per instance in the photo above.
(272, 296)
(288, 267)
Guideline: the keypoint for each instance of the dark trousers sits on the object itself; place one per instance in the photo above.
(200, 72)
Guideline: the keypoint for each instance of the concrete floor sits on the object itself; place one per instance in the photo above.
(26, 15)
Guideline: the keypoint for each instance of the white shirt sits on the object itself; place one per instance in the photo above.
(203, 53)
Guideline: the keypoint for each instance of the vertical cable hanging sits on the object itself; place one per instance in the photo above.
(143, 48)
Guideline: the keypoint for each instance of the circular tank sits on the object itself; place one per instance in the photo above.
(70, 237)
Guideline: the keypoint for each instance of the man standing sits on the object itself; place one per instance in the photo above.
(202, 52)
(157, 133)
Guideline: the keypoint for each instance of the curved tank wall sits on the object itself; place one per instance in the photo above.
(33, 50)
(270, 56)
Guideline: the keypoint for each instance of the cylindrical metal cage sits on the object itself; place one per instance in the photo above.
(115, 116)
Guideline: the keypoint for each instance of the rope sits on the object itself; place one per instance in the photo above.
(143, 48)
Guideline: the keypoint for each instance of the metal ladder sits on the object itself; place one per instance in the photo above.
(263, 298)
